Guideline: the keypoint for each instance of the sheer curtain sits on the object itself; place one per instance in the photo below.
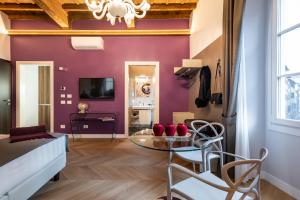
(242, 136)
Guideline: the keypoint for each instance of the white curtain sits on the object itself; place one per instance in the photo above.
(242, 136)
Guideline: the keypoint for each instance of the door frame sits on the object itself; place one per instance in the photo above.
(156, 98)
(40, 63)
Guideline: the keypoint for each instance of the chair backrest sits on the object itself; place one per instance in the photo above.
(217, 129)
(239, 184)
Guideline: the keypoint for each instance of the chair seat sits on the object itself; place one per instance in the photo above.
(194, 156)
(197, 190)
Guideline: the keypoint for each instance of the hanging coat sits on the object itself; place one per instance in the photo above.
(204, 90)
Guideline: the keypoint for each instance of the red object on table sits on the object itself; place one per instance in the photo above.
(158, 129)
(181, 129)
(170, 129)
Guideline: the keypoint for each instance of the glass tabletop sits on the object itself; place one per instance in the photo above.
(147, 139)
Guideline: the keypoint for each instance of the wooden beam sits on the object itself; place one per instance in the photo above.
(154, 7)
(16, 1)
(54, 9)
(128, 32)
(150, 15)
(20, 7)
(83, 7)
(136, 1)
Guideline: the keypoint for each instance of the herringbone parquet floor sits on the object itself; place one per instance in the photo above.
(119, 170)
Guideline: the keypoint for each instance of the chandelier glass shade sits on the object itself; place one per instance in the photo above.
(117, 9)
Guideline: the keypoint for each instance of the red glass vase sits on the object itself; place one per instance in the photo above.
(170, 130)
(182, 129)
(158, 129)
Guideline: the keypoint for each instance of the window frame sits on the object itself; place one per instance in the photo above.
(274, 122)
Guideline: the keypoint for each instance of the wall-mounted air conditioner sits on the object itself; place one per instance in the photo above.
(87, 43)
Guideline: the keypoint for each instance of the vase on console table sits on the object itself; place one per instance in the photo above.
(170, 130)
(182, 129)
(82, 107)
(158, 129)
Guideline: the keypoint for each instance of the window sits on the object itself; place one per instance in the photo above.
(288, 61)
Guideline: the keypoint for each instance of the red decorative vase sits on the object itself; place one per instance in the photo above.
(170, 130)
(158, 129)
(182, 129)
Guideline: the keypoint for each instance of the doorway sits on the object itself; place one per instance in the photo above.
(141, 95)
(34, 94)
(5, 96)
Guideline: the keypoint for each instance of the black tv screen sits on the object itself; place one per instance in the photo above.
(96, 88)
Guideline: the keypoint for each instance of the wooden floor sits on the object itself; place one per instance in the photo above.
(118, 170)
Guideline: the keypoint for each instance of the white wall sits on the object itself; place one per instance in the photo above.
(4, 38)
(206, 25)
(29, 95)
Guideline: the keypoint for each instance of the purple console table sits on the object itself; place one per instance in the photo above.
(95, 122)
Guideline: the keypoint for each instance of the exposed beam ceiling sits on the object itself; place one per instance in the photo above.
(63, 10)
(55, 11)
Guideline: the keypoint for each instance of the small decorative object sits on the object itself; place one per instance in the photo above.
(82, 107)
(158, 129)
(142, 86)
(118, 9)
(146, 88)
(216, 97)
(182, 129)
(170, 129)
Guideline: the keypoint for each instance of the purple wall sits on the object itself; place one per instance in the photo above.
(168, 50)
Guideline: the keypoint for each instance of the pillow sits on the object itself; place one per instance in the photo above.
(28, 130)
(21, 138)
(28, 133)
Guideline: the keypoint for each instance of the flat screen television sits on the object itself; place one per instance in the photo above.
(96, 88)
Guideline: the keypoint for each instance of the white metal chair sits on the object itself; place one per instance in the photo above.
(207, 186)
(199, 138)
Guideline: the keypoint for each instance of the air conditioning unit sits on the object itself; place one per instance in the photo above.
(87, 43)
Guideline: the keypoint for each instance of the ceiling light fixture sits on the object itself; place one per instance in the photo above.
(117, 9)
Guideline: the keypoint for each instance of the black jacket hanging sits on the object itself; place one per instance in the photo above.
(204, 90)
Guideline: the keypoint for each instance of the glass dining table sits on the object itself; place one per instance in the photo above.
(147, 139)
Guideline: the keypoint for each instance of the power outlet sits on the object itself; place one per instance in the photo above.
(62, 126)
(85, 126)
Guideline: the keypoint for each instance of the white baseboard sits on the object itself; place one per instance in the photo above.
(291, 190)
(97, 136)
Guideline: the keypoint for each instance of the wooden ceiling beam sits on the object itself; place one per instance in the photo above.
(154, 7)
(82, 1)
(54, 9)
(83, 7)
(73, 16)
(88, 16)
(16, 1)
(20, 7)
(128, 32)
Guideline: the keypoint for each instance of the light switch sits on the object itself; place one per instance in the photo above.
(85, 126)
(62, 102)
(69, 96)
(62, 95)
(69, 102)
(62, 126)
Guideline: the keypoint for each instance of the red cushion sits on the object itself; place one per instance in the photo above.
(25, 137)
(28, 130)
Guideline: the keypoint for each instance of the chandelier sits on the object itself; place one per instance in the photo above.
(116, 9)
